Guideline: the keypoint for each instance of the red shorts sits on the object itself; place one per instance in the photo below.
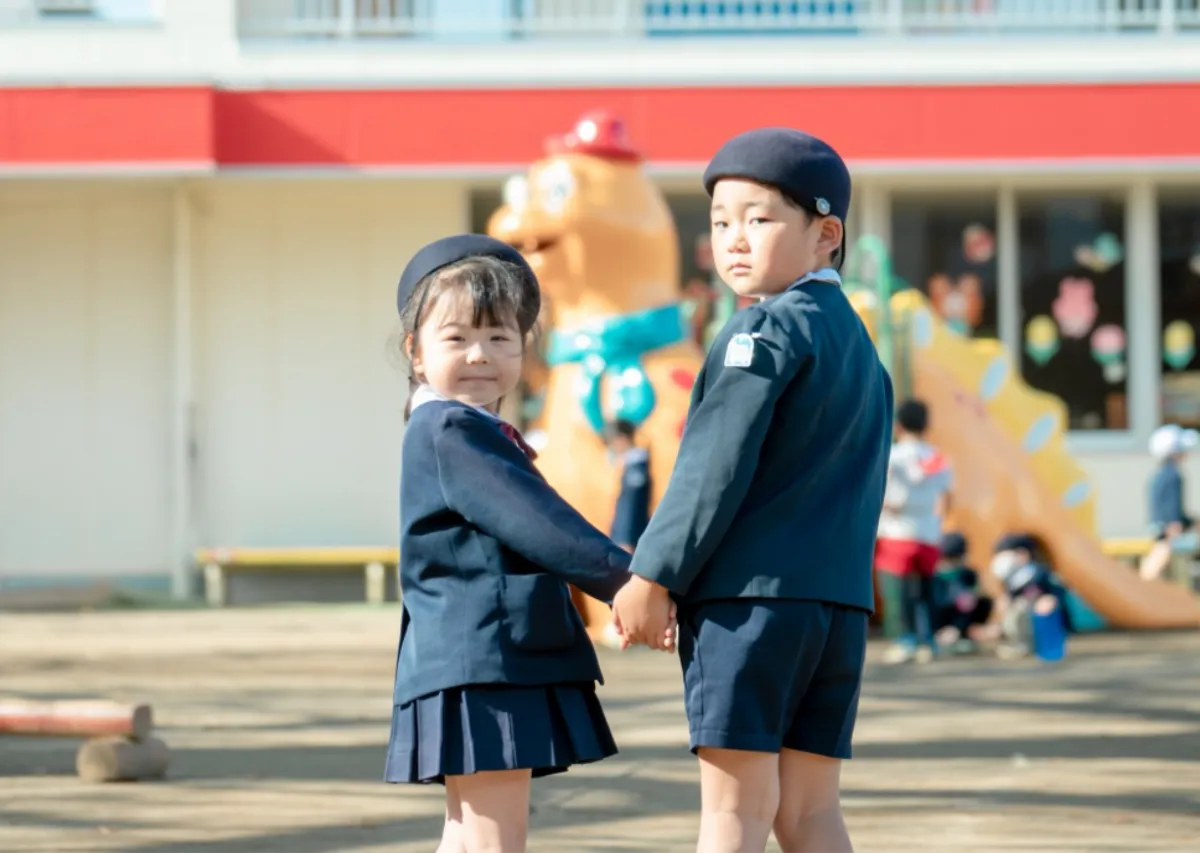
(900, 557)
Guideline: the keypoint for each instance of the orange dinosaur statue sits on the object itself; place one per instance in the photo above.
(600, 237)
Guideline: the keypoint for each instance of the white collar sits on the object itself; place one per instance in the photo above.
(424, 394)
(826, 274)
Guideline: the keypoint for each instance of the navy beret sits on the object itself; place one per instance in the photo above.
(802, 167)
(451, 250)
(954, 546)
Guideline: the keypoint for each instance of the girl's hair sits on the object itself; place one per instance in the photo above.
(501, 293)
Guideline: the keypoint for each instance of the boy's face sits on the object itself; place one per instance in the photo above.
(761, 244)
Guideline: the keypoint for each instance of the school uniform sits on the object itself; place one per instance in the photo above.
(632, 512)
(766, 533)
(494, 670)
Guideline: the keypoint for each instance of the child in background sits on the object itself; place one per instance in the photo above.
(1169, 444)
(632, 512)
(1030, 590)
(910, 533)
(961, 610)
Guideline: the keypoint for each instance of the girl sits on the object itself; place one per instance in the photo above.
(1169, 445)
(495, 675)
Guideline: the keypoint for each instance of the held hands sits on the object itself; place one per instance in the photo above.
(643, 613)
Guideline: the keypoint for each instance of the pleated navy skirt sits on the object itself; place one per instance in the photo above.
(480, 728)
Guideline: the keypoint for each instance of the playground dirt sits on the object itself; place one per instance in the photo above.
(277, 721)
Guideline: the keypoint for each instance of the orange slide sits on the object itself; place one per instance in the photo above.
(1012, 469)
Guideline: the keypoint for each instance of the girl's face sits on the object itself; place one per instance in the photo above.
(476, 366)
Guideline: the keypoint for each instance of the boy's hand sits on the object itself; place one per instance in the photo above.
(644, 613)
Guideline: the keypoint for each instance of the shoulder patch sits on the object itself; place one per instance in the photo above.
(740, 350)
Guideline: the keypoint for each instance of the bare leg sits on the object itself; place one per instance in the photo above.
(452, 831)
(1155, 561)
(739, 794)
(810, 809)
(495, 810)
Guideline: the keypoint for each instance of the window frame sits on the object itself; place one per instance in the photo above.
(1139, 195)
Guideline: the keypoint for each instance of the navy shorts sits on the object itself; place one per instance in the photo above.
(766, 674)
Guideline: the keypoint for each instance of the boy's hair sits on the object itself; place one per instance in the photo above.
(501, 293)
(954, 546)
(619, 429)
(839, 254)
(913, 417)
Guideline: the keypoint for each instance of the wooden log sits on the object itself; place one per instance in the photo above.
(120, 759)
(88, 718)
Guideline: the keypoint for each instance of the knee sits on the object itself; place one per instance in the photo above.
(745, 784)
(798, 824)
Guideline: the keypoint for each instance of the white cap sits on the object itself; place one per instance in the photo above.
(1170, 440)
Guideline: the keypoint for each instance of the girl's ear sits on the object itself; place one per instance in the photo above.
(414, 355)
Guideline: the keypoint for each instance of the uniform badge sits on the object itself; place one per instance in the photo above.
(740, 351)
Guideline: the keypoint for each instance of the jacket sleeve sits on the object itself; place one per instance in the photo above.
(487, 480)
(719, 451)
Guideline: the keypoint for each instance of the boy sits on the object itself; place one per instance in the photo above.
(910, 531)
(632, 512)
(765, 534)
(960, 609)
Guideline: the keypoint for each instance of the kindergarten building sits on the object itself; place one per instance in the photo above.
(205, 204)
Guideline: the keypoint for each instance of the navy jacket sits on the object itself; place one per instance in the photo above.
(632, 513)
(1166, 497)
(779, 481)
(486, 550)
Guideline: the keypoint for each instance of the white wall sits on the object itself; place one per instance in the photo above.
(85, 284)
(299, 407)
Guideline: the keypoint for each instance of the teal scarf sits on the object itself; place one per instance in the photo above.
(610, 348)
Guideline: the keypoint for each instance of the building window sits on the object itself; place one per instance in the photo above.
(1179, 244)
(1073, 305)
(946, 248)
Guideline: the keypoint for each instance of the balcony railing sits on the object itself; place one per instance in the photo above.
(49, 12)
(521, 19)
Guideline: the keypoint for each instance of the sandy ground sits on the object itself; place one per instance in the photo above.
(277, 719)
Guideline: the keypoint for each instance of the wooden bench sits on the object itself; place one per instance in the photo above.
(1131, 549)
(219, 562)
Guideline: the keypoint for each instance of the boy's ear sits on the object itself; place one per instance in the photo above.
(832, 231)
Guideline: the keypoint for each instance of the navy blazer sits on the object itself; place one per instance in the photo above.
(486, 550)
(632, 512)
(779, 480)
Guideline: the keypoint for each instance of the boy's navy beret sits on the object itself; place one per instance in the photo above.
(802, 167)
(451, 250)
(954, 546)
